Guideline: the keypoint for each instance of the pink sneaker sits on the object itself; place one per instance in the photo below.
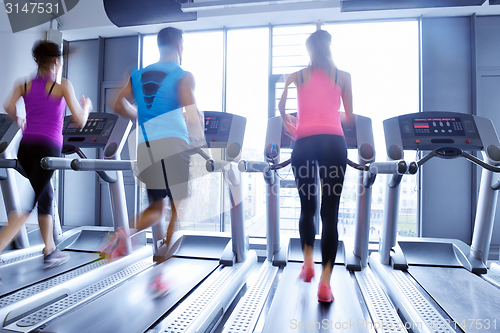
(106, 250)
(116, 247)
(121, 247)
(158, 286)
(325, 294)
(306, 274)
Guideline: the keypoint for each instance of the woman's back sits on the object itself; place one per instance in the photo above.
(318, 97)
(44, 113)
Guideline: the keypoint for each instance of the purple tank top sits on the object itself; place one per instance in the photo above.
(44, 115)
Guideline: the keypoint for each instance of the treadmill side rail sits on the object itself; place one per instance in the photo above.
(205, 307)
(410, 302)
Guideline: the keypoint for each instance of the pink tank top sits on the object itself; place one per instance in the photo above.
(44, 115)
(318, 106)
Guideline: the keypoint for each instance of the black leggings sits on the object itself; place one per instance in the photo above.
(29, 156)
(328, 154)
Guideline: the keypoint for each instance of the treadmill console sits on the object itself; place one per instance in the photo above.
(9, 133)
(5, 123)
(95, 134)
(102, 130)
(223, 129)
(432, 130)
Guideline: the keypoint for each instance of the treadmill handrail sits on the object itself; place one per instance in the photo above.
(102, 165)
(56, 163)
(62, 163)
(8, 163)
(390, 167)
(471, 158)
(252, 166)
(88, 164)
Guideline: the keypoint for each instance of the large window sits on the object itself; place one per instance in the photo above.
(382, 58)
(247, 96)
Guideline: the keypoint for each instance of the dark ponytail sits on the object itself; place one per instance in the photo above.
(319, 46)
(45, 52)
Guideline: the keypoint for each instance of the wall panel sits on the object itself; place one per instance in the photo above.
(446, 86)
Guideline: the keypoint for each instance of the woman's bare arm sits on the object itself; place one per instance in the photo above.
(347, 97)
(79, 113)
(122, 106)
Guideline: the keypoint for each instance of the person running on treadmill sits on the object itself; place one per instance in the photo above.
(319, 144)
(45, 101)
(166, 135)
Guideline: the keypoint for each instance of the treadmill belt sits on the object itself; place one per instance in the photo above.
(27, 272)
(295, 307)
(131, 307)
(470, 301)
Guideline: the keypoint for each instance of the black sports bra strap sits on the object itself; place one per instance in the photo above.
(25, 83)
(52, 87)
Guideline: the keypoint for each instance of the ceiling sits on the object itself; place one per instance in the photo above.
(89, 20)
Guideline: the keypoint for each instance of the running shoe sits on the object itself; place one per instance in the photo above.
(117, 246)
(158, 286)
(325, 293)
(106, 251)
(56, 258)
(122, 245)
(306, 274)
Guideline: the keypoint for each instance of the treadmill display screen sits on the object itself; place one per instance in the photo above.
(212, 125)
(438, 126)
(93, 126)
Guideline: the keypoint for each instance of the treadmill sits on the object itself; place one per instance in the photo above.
(278, 301)
(26, 285)
(442, 277)
(206, 270)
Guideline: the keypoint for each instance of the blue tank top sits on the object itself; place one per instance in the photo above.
(159, 111)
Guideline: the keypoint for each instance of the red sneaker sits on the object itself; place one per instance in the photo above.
(116, 247)
(107, 249)
(306, 274)
(325, 294)
(158, 286)
(121, 248)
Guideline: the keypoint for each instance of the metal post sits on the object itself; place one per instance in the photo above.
(390, 225)
(56, 230)
(238, 223)
(363, 211)
(119, 206)
(273, 214)
(12, 203)
(159, 232)
(485, 218)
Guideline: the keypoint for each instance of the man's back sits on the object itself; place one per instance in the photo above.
(159, 110)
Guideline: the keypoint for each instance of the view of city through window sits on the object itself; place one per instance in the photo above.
(382, 58)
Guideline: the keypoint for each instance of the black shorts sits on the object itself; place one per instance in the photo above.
(164, 168)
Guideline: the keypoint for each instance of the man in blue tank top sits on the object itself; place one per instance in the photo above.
(166, 134)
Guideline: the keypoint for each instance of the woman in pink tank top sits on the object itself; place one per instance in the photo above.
(45, 102)
(319, 146)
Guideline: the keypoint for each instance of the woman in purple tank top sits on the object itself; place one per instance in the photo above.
(45, 102)
(319, 146)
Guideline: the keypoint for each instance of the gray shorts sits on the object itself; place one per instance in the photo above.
(164, 168)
